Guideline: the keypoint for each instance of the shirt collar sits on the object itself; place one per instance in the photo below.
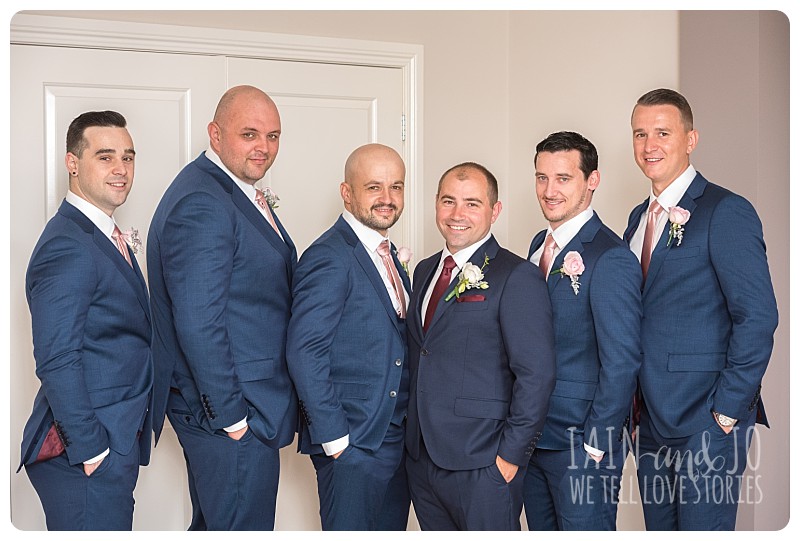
(462, 256)
(248, 189)
(100, 219)
(564, 233)
(368, 236)
(673, 193)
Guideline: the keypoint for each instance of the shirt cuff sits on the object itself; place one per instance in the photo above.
(593, 451)
(98, 458)
(238, 426)
(333, 447)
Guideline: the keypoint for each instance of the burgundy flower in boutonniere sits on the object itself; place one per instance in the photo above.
(572, 267)
(677, 217)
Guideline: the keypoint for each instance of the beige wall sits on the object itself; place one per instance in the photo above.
(497, 82)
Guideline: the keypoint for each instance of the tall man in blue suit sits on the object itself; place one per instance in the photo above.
(707, 332)
(482, 365)
(594, 280)
(347, 351)
(90, 427)
(220, 266)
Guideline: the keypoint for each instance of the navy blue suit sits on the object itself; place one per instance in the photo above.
(220, 280)
(347, 356)
(481, 378)
(91, 338)
(598, 355)
(707, 334)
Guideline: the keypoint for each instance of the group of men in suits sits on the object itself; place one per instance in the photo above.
(491, 383)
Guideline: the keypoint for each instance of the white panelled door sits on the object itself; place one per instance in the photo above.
(168, 99)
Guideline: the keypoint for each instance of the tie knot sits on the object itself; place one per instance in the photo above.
(260, 199)
(116, 234)
(655, 207)
(449, 263)
(383, 248)
(550, 242)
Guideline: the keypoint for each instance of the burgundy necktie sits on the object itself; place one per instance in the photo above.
(262, 202)
(649, 233)
(438, 290)
(547, 254)
(386, 256)
(122, 246)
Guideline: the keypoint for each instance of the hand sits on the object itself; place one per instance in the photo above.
(726, 429)
(336, 455)
(507, 469)
(596, 458)
(237, 435)
(89, 469)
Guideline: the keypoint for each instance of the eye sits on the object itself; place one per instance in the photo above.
(273, 136)
(249, 135)
(127, 158)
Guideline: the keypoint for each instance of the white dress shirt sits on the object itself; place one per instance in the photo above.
(670, 197)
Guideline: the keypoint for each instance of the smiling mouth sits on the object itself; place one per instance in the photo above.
(458, 227)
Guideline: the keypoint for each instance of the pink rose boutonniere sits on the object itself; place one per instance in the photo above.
(677, 218)
(404, 256)
(572, 267)
(131, 237)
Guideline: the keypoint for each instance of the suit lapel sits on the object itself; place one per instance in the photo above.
(634, 220)
(424, 274)
(661, 250)
(537, 241)
(584, 236)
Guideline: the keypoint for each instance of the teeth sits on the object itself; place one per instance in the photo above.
(458, 227)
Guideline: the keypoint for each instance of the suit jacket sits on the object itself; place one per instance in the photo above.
(598, 352)
(709, 313)
(481, 376)
(220, 280)
(91, 341)
(346, 346)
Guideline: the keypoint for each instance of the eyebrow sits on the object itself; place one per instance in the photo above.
(112, 151)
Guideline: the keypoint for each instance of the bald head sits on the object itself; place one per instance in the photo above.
(374, 186)
(235, 97)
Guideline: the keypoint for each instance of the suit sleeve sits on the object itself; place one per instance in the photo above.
(319, 294)
(526, 324)
(739, 258)
(62, 280)
(198, 245)
(616, 311)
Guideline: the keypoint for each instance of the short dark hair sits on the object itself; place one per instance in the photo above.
(564, 141)
(666, 96)
(76, 142)
(461, 174)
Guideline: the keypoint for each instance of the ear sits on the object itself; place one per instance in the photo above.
(694, 137)
(496, 210)
(71, 162)
(214, 136)
(594, 180)
(346, 192)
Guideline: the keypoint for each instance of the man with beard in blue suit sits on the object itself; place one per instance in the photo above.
(573, 477)
(89, 430)
(220, 266)
(347, 351)
(707, 333)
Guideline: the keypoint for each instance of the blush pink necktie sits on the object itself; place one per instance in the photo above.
(262, 202)
(122, 246)
(649, 235)
(438, 290)
(547, 254)
(386, 256)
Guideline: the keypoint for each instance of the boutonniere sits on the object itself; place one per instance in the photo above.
(470, 277)
(572, 267)
(131, 237)
(677, 218)
(404, 255)
(271, 197)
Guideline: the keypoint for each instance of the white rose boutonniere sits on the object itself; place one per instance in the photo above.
(131, 237)
(271, 197)
(404, 256)
(572, 267)
(470, 277)
(677, 218)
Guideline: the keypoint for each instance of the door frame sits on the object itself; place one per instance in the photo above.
(45, 30)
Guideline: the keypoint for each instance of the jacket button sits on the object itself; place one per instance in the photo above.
(398, 362)
(424, 352)
(393, 393)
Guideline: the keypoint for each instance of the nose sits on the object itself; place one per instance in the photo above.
(120, 168)
(649, 144)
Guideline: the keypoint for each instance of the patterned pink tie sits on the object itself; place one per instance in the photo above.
(649, 235)
(262, 202)
(547, 254)
(122, 246)
(386, 256)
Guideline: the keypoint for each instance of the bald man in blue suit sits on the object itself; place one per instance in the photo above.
(89, 430)
(707, 333)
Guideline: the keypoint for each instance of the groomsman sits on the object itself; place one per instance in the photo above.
(707, 332)
(89, 430)
(347, 350)
(593, 279)
(482, 365)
